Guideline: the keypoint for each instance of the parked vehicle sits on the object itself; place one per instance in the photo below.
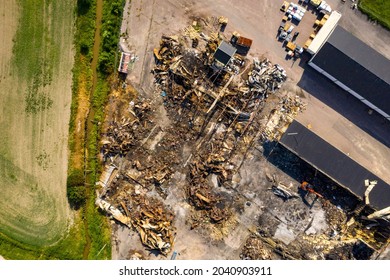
(290, 29)
(283, 35)
(282, 25)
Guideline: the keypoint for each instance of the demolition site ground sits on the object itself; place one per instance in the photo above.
(192, 164)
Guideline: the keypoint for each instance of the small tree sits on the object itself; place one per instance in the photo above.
(76, 196)
(75, 189)
(83, 6)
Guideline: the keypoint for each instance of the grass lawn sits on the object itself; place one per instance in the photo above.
(378, 10)
(36, 92)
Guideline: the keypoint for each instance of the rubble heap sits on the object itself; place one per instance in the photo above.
(288, 108)
(254, 249)
(265, 77)
(119, 138)
(153, 221)
(124, 134)
(198, 94)
(186, 146)
(147, 215)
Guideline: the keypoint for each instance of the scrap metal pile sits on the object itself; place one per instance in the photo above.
(265, 77)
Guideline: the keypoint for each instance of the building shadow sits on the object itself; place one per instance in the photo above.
(299, 170)
(344, 103)
(332, 193)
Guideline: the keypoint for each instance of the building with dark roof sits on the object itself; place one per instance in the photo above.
(335, 164)
(224, 54)
(357, 68)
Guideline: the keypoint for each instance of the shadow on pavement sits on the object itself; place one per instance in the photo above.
(344, 103)
(301, 171)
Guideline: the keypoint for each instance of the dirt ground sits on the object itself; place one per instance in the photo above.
(143, 26)
(33, 161)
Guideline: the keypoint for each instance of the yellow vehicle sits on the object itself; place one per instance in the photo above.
(285, 6)
(291, 46)
(287, 27)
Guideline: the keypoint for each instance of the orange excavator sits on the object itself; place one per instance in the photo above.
(309, 188)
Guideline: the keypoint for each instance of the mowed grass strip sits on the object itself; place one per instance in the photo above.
(22, 197)
(37, 42)
(33, 208)
(377, 10)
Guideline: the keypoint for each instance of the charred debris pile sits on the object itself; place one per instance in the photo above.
(215, 110)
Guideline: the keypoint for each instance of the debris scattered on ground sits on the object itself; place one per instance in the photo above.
(254, 249)
(203, 122)
(147, 215)
(282, 116)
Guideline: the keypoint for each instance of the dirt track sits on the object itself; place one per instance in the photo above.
(33, 162)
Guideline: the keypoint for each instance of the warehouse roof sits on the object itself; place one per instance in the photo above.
(357, 66)
(361, 53)
(334, 164)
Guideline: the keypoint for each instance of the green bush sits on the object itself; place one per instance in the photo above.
(75, 178)
(76, 196)
(83, 6)
(112, 17)
(75, 189)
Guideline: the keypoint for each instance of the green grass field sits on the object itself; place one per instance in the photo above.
(34, 106)
(34, 213)
(377, 10)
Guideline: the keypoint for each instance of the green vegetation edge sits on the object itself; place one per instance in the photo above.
(72, 246)
(378, 10)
